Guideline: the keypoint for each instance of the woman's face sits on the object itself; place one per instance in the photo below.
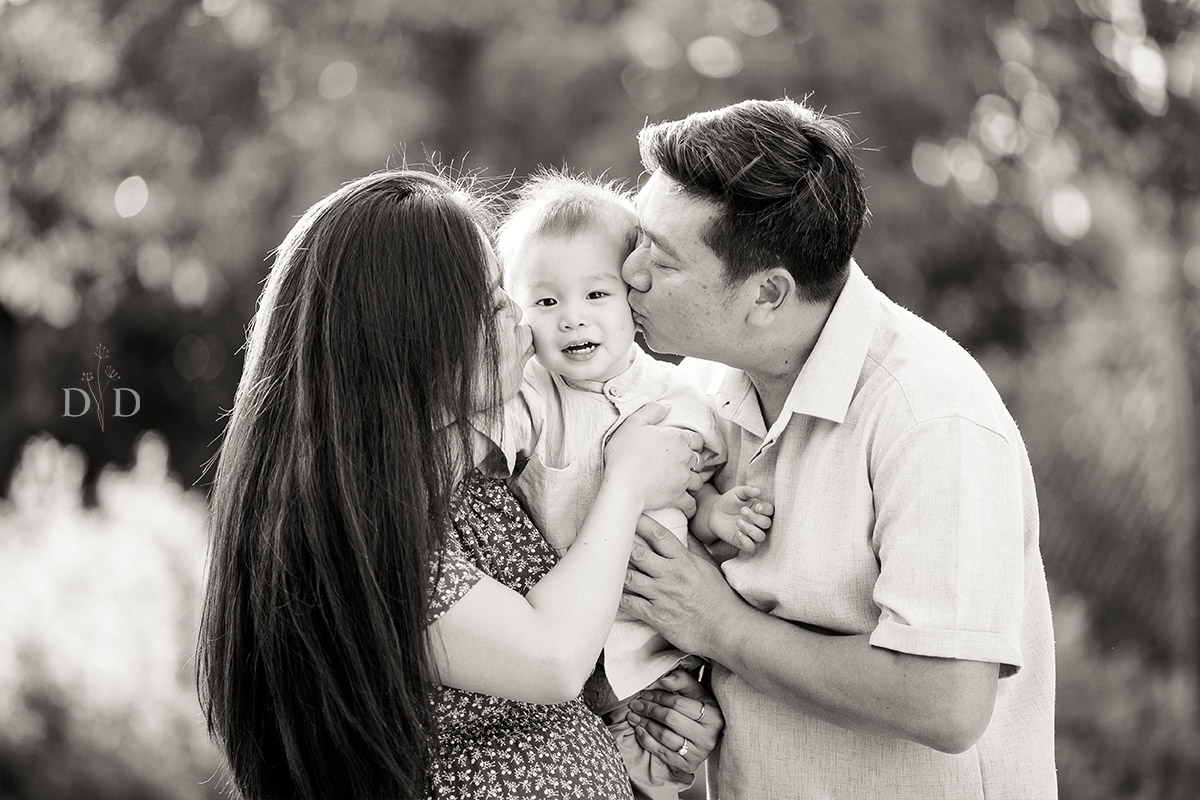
(514, 339)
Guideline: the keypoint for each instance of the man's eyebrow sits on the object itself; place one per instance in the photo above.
(659, 243)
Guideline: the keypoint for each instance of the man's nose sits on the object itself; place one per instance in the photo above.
(634, 273)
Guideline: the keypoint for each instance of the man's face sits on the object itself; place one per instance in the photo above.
(678, 292)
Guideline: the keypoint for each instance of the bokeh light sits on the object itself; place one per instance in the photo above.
(929, 163)
(249, 25)
(1184, 64)
(755, 17)
(337, 80)
(1034, 12)
(218, 8)
(190, 283)
(1014, 44)
(154, 264)
(995, 126)
(131, 196)
(651, 44)
(715, 57)
(1120, 36)
(1066, 214)
(1040, 113)
(1018, 80)
(975, 179)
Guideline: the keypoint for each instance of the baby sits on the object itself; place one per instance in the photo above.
(562, 247)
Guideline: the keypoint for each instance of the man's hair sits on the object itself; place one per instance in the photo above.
(786, 182)
(557, 203)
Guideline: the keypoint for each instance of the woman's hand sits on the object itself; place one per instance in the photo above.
(657, 460)
(684, 716)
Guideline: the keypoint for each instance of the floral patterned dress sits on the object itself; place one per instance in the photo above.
(489, 747)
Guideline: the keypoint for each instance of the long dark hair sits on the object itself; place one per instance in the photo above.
(332, 489)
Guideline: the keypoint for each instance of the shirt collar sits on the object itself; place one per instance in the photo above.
(829, 376)
(826, 383)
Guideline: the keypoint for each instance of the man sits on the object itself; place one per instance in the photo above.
(891, 638)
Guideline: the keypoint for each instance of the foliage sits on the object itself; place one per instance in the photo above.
(1085, 159)
(1125, 729)
(156, 152)
(97, 688)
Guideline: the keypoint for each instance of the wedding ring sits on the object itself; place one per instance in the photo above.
(696, 466)
(683, 750)
(703, 708)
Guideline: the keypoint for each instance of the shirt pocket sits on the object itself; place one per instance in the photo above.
(558, 499)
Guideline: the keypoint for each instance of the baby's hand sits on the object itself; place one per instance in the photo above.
(739, 518)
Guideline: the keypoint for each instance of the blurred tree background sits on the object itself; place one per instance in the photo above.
(1032, 169)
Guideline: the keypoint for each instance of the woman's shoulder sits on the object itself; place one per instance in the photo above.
(489, 534)
(454, 569)
(452, 573)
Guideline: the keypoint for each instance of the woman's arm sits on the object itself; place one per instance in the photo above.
(541, 647)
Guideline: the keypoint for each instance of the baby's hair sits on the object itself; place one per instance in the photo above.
(557, 203)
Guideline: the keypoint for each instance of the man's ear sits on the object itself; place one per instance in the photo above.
(776, 288)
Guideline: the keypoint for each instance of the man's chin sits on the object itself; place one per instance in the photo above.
(652, 344)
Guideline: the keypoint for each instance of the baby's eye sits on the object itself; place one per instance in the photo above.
(597, 295)
(545, 302)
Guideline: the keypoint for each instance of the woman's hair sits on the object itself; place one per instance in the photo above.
(786, 182)
(558, 203)
(332, 488)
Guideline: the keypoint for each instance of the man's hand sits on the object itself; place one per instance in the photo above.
(681, 715)
(680, 593)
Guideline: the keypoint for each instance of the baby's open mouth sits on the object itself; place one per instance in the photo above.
(580, 349)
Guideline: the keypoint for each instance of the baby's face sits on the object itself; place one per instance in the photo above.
(571, 290)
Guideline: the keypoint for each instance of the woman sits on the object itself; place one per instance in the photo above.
(382, 620)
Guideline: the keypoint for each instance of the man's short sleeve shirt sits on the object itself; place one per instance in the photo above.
(904, 508)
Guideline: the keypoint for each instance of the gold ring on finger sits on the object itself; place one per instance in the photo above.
(683, 749)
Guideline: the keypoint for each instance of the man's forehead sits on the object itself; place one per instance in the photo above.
(664, 203)
(658, 183)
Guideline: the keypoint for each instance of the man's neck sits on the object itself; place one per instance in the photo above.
(773, 389)
(774, 373)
